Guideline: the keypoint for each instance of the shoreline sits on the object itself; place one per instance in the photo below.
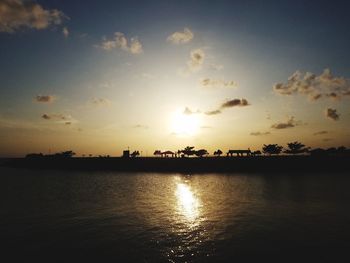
(250, 164)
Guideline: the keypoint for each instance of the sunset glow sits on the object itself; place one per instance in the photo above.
(185, 125)
(99, 82)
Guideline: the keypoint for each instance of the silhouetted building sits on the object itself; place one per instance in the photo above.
(126, 154)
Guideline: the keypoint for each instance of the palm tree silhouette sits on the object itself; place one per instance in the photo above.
(296, 147)
(218, 152)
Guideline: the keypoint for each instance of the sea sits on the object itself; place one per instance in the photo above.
(74, 216)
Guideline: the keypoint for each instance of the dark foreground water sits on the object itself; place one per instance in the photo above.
(138, 217)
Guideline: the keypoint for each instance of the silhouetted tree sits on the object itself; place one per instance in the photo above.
(135, 154)
(189, 150)
(157, 153)
(272, 149)
(201, 152)
(218, 152)
(296, 147)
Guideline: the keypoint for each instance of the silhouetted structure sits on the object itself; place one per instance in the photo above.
(164, 154)
(255, 153)
(126, 154)
(238, 152)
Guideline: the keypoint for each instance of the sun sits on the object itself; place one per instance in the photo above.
(185, 124)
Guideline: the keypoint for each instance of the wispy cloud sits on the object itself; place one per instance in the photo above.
(140, 126)
(132, 46)
(290, 123)
(62, 118)
(259, 133)
(213, 112)
(17, 14)
(181, 37)
(100, 102)
(321, 133)
(315, 87)
(332, 114)
(45, 98)
(194, 64)
(217, 83)
(188, 111)
(327, 139)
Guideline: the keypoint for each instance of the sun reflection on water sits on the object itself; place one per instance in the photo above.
(188, 203)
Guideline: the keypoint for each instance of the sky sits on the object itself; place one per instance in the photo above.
(99, 77)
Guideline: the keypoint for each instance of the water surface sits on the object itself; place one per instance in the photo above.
(150, 217)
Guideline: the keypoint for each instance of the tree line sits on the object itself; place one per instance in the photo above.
(293, 148)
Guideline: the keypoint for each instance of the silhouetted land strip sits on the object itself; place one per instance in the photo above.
(277, 164)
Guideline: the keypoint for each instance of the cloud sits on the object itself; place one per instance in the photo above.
(259, 133)
(327, 139)
(228, 104)
(140, 126)
(45, 98)
(100, 102)
(17, 14)
(217, 83)
(196, 61)
(235, 103)
(181, 37)
(213, 112)
(46, 116)
(332, 114)
(321, 133)
(290, 123)
(132, 46)
(315, 87)
(65, 32)
(188, 111)
(58, 117)
(68, 123)
(206, 127)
